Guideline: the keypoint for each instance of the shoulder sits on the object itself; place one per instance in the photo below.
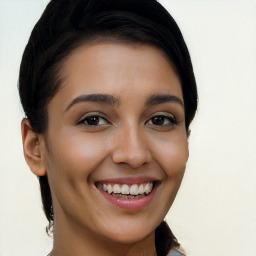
(176, 252)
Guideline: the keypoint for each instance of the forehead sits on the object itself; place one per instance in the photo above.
(118, 68)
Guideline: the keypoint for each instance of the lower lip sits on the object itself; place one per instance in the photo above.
(130, 204)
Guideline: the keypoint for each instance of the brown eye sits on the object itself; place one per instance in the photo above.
(158, 120)
(92, 120)
(162, 120)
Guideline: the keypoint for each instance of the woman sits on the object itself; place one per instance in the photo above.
(109, 93)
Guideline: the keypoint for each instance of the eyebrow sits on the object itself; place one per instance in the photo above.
(104, 99)
(163, 98)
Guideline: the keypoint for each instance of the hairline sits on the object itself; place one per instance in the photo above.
(90, 40)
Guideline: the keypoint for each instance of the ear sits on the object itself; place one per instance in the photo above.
(32, 144)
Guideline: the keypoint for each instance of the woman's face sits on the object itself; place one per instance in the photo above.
(116, 124)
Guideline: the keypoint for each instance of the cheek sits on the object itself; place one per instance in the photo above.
(75, 156)
(172, 154)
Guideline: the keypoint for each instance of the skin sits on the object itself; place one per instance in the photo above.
(126, 142)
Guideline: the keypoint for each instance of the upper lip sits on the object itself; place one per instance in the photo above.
(127, 180)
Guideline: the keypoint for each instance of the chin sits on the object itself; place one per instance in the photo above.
(130, 233)
(130, 238)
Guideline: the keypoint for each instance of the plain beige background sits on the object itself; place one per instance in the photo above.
(215, 211)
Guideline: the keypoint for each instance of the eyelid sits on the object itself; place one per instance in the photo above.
(93, 114)
(168, 116)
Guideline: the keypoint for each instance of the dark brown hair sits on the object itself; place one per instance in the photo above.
(66, 24)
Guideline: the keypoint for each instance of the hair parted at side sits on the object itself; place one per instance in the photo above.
(67, 24)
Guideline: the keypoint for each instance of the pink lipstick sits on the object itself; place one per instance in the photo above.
(133, 193)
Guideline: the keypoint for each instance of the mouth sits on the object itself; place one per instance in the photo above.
(129, 196)
(127, 191)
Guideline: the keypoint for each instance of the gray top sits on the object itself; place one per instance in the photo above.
(175, 252)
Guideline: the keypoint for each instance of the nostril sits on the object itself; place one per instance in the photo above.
(132, 159)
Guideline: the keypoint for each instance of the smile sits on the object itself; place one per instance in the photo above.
(132, 196)
(127, 191)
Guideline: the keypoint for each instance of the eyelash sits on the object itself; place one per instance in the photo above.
(85, 120)
(171, 121)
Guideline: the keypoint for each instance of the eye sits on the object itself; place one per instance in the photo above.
(93, 120)
(162, 120)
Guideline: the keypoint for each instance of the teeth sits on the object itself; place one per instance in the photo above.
(128, 196)
(127, 191)
(110, 190)
(141, 189)
(105, 187)
(117, 189)
(134, 190)
(148, 188)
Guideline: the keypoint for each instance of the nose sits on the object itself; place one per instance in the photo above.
(131, 147)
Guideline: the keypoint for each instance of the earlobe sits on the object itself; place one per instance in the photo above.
(32, 148)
